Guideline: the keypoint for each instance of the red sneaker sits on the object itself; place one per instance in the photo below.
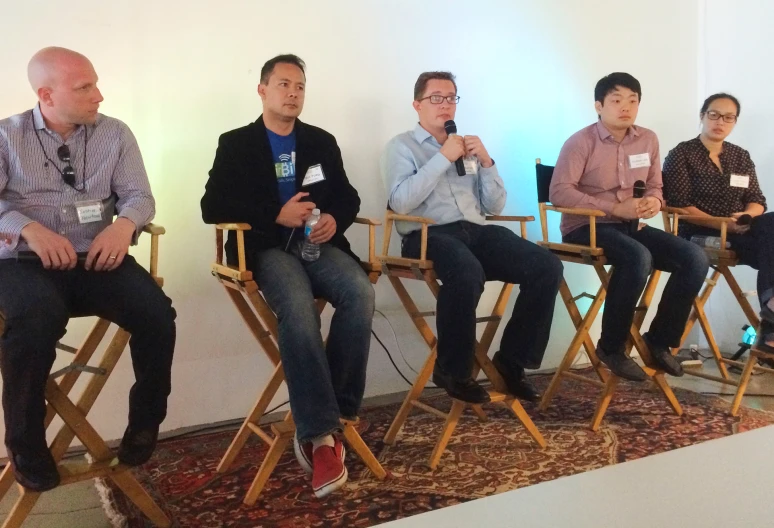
(329, 471)
(303, 454)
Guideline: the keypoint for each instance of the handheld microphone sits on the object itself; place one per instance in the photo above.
(639, 192)
(743, 220)
(451, 129)
(31, 256)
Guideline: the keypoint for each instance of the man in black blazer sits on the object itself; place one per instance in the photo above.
(271, 174)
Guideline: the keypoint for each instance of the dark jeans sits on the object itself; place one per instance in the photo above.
(754, 248)
(38, 303)
(325, 382)
(465, 255)
(634, 257)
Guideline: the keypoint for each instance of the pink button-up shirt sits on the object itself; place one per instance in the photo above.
(594, 171)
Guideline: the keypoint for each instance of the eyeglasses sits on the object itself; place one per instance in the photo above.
(438, 99)
(728, 118)
(68, 173)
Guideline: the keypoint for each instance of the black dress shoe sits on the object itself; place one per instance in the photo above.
(622, 366)
(35, 471)
(137, 445)
(663, 358)
(467, 390)
(517, 383)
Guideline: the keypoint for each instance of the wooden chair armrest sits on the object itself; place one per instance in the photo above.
(576, 211)
(233, 227)
(153, 229)
(717, 220)
(367, 221)
(521, 219)
(371, 223)
(674, 210)
(498, 218)
(408, 218)
(240, 229)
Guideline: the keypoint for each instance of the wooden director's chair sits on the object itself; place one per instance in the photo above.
(103, 463)
(396, 268)
(591, 255)
(245, 293)
(721, 262)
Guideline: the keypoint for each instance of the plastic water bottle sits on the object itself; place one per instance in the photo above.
(708, 241)
(310, 251)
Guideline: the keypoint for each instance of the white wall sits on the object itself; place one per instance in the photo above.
(181, 74)
(736, 54)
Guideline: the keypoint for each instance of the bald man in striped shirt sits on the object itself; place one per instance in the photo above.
(65, 172)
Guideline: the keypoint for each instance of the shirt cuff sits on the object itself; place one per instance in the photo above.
(137, 218)
(11, 227)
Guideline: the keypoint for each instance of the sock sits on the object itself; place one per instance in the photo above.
(324, 441)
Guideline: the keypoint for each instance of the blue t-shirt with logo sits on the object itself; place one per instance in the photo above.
(283, 149)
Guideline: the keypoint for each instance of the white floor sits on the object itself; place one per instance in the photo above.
(728, 482)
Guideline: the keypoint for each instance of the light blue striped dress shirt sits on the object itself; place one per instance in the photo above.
(420, 181)
(30, 191)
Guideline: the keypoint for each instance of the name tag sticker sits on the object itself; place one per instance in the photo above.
(637, 161)
(314, 174)
(89, 212)
(471, 165)
(740, 180)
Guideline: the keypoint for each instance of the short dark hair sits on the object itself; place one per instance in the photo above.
(714, 97)
(425, 77)
(287, 58)
(609, 83)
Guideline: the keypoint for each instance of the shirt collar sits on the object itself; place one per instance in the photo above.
(421, 135)
(604, 133)
(40, 124)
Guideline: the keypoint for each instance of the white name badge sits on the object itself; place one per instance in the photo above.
(471, 165)
(740, 180)
(314, 174)
(89, 212)
(639, 160)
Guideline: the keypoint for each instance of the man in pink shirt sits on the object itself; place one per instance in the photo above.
(597, 169)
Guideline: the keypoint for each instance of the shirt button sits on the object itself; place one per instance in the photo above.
(61, 232)
(64, 211)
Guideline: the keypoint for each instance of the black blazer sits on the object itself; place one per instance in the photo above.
(243, 187)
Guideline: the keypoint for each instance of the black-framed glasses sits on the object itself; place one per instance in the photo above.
(68, 173)
(438, 99)
(728, 118)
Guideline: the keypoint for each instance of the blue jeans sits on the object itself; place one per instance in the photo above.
(325, 381)
(754, 248)
(464, 256)
(634, 258)
(37, 304)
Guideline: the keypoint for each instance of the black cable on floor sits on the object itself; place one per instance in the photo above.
(391, 360)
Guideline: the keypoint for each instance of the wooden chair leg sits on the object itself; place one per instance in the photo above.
(21, 509)
(413, 395)
(743, 382)
(355, 441)
(479, 412)
(137, 494)
(660, 380)
(604, 402)
(451, 423)
(517, 409)
(6, 480)
(283, 434)
(253, 418)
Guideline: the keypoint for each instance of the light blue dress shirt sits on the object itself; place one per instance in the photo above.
(420, 181)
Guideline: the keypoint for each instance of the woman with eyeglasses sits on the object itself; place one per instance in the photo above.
(708, 176)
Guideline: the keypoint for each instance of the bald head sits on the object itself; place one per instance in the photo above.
(66, 85)
(49, 66)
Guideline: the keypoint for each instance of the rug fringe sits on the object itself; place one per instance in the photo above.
(107, 498)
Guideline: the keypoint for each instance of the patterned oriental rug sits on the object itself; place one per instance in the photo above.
(483, 458)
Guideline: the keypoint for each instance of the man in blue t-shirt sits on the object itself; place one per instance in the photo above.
(271, 174)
